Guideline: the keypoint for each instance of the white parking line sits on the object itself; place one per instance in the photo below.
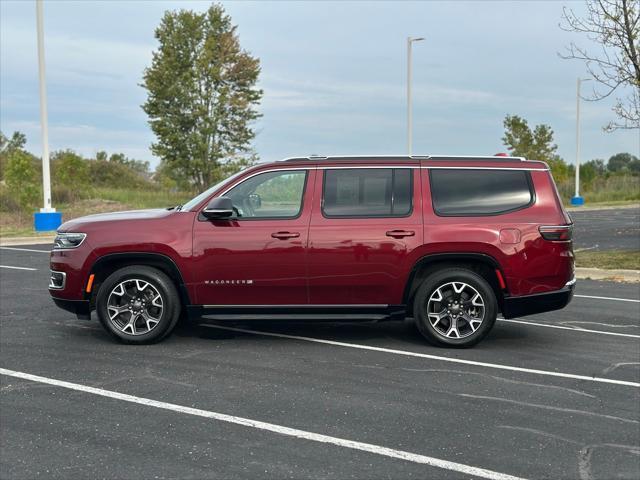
(609, 298)
(271, 427)
(18, 268)
(575, 329)
(431, 357)
(25, 249)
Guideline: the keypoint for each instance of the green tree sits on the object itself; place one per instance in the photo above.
(138, 166)
(201, 95)
(536, 144)
(9, 145)
(22, 179)
(70, 177)
(622, 162)
(591, 170)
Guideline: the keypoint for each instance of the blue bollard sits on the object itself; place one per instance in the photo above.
(47, 221)
(577, 201)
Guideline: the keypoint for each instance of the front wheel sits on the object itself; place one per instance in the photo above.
(138, 304)
(455, 308)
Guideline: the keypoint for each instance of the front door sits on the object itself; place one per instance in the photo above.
(257, 257)
(363, 234)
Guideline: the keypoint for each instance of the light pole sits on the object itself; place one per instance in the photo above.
(410, 41)
(577, 199)
(47, 219)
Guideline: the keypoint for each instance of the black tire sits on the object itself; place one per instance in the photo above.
(160, 284)
(444, 280)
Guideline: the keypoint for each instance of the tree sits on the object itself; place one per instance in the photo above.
(70, 169)
(591, 170)
(22, 178)
(615, 25)
(623, 162)
(202, 95)
(9, 145)
(536, 144)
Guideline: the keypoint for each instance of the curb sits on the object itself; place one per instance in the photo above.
(39, 240)
(604, 207)
(631, 276)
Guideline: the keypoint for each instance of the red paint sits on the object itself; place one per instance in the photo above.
(500, 279)
(328, 260)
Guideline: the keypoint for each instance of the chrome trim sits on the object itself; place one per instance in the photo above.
(52, 286)
(217, 210)
(268, 170)
(370, 167)
(517, 169)
(425, 157)
(557, 227)
(570, 282)
(303, 305)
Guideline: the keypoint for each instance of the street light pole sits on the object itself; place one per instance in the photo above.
(410, 41)
(47, 218)
(577, 199)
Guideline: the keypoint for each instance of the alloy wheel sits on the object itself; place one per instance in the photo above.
(135, 306)
(455, 310)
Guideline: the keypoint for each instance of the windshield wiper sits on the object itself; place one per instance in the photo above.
(177, 208)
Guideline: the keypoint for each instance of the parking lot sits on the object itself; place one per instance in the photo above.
(549, 396)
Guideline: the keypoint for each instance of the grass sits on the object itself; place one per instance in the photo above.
(14, 223)
(614, 189)
(619, 259)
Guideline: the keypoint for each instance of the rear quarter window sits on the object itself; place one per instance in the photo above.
(469, 192)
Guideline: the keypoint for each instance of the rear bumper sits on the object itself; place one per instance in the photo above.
(513, 307)
(81, 308)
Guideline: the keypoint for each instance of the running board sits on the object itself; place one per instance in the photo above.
(311, 313)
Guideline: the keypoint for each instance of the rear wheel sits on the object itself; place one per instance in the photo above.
(455, 308)
(138, 304)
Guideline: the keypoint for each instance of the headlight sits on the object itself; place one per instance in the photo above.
(69, 240)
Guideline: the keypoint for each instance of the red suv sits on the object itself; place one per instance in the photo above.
(449, 241)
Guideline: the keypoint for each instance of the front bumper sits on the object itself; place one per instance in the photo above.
(82, 308)
(513, 307)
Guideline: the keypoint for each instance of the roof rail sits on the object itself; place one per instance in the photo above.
(493, 158)
(496, 158)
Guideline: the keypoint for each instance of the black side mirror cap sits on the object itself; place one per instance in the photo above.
(219, 208)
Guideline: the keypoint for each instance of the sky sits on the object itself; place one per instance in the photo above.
(333, 75)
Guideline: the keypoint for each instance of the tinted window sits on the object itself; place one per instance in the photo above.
(362, 192)
(270, 195)
(479, 192)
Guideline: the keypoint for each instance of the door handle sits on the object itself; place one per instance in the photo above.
(400, 233)
(285, 235)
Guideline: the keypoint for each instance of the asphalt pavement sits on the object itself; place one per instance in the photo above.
(552, 396)
(607, 229)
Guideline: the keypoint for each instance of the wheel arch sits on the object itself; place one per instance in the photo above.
(109, 263)
(480, 263)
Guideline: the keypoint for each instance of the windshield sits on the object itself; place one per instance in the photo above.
(196, 200)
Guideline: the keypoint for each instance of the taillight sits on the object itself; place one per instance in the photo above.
(557, 233)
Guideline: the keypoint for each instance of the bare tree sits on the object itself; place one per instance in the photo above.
(615, 25)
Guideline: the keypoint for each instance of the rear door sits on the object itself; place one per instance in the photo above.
(366, 221)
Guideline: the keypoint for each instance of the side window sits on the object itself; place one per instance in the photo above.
(362, 192)
(479, 192)
(270, 195)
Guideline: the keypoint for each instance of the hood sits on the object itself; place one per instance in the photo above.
(133, 215)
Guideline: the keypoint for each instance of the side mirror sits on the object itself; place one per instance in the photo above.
(218, 208)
